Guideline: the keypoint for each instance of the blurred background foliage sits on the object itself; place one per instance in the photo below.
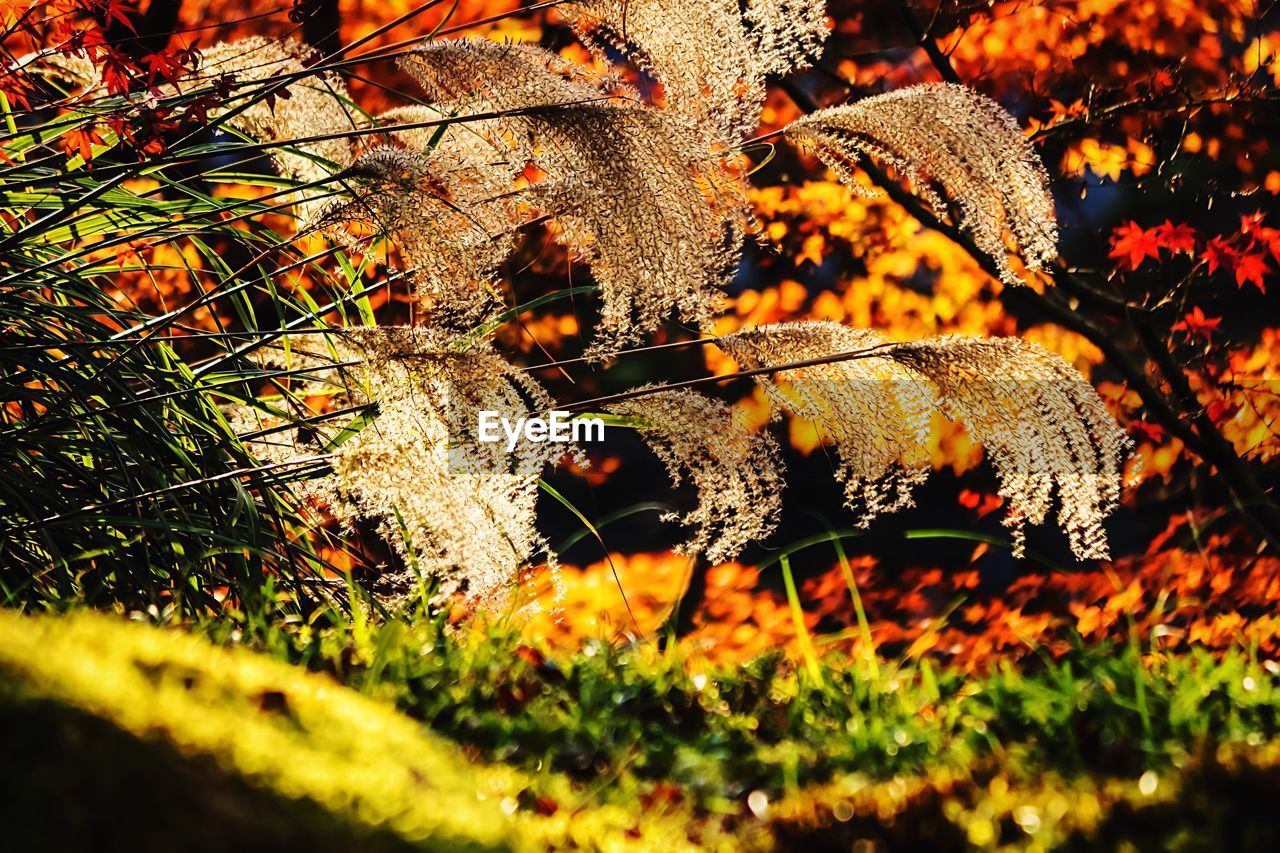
(146, 255)
(1152, 117)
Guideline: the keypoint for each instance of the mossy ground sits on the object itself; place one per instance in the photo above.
(480, 741)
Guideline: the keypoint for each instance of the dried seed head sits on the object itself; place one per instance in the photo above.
(960, 140)
(787, 34)
(463, 154)
(478, 75)
(459, 512)
(737, 473)
(313, 104)
(1043, 426)
(698, 50)
(73, 67)
(636, 191)
(1045, 429)
(445, 210)
(710, 55)
(877, 413)
(637, 196)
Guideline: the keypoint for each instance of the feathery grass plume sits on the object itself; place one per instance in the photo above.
(312, 105)
(479, 176)
(710, 58)
(462, 151)
(466, 509)
(1044, 427)
(787, 34)
(636, 191)
(1041, 423)
(458, 511)
(479, 75)
(876, 412)
(737, 473)
(958, 139)
(73, 67)
(697, 49)
(447, 212)
(660, 223)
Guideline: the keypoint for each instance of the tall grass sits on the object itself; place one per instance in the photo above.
(121, 481)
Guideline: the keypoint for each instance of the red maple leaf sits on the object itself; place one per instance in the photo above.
(80, 140)
(1251, 222)
(982, 503)
(1220, 410)
(1148, 432)
(1133, 244)
(1197, 325)
(117, 73)
(1251, 267)
(1176, 238)
(14, 86)
(166, 66)
(119, 12)
(1217, 253)
(1270, 238)
(1260, 235)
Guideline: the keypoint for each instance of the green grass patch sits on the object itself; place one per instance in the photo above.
(479, 740)
(132, 736)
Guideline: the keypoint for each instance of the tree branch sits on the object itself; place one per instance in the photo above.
(1205, 439)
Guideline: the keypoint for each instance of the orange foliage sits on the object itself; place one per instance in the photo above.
(1174, 598)
(738, 622)
(880, 268)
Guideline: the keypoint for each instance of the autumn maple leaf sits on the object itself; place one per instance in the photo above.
(1251, 267)
(118, 72)
(1197, 325)
(982, 503)
(1176, 238)
(13, 86)
(1220, 410)
(167, 65)
(1261, 235)
(1217, 253)
(1131, 243)
(80, 140)
(120, 12)
(1148, 432)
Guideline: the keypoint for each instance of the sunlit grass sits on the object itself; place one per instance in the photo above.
(746, 755)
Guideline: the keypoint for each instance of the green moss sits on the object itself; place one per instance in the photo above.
(112, 723)
(125, 735)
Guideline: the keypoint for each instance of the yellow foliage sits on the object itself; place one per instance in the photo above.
(285, 732)
(1108, 160)
(1013, 812)
(285, 736)
(1264, 53)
